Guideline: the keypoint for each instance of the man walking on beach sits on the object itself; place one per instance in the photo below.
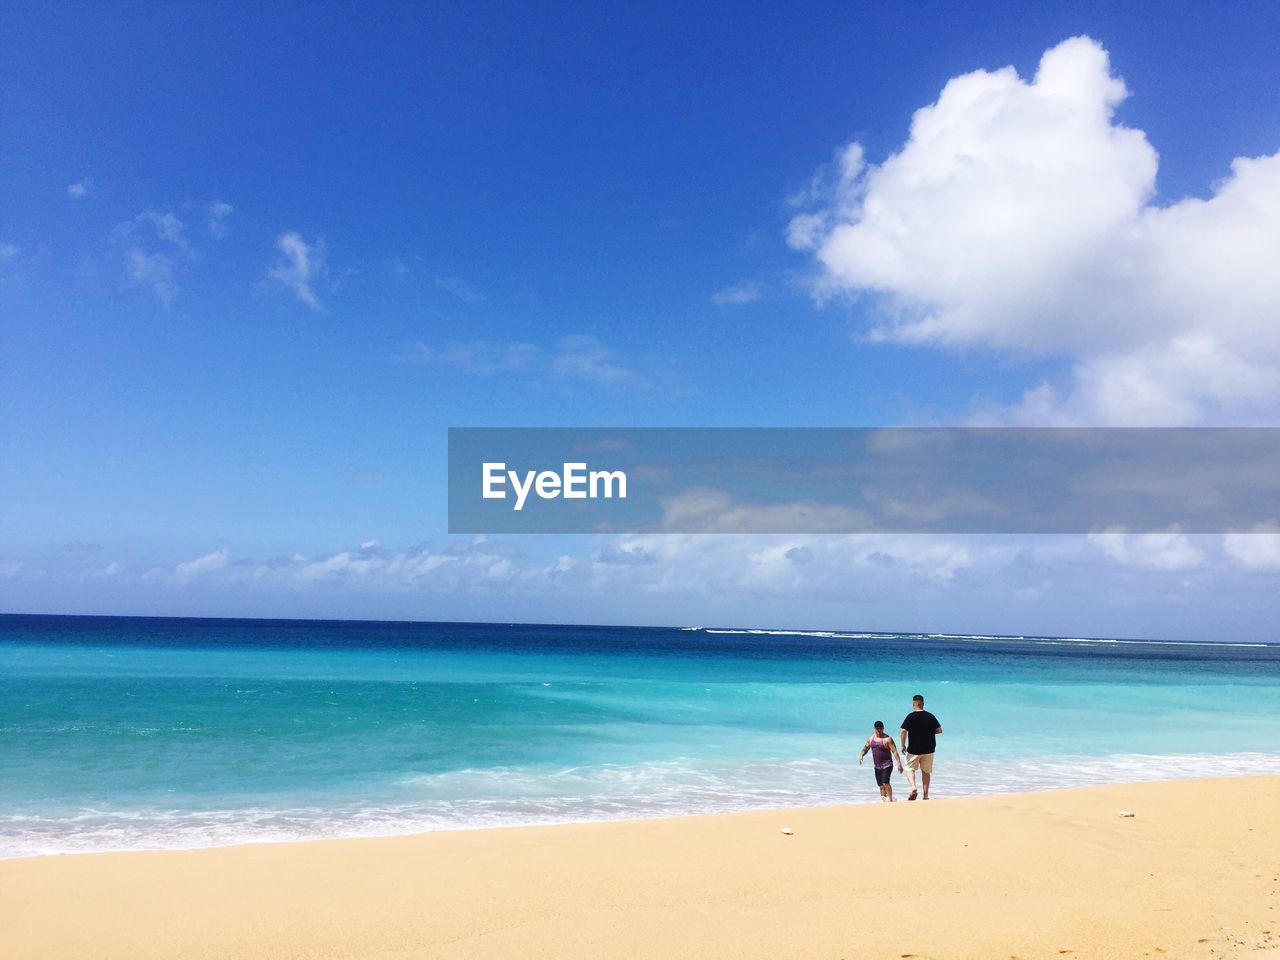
(884, 753)
(919, 728)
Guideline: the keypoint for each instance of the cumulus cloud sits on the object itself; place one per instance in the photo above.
(1171, 551)
(748, 291)
(1256, 549)
(302, 266)
(80, 189)
(1019, 216)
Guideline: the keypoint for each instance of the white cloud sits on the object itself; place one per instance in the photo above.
(748, 291)
(210, 562)
(461, 290)
(146, 265)
(708, 510)
(1256, 549)
(8, 251)
(303, 265)
(582, 357)
(80, 189)
(785, 565)
(1019, 216)
(1171, 551)
(153, 270)
(167, 226)
(577, 358)
(219, 211)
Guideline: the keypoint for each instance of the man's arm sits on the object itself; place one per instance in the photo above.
(897, 759)
(865, 747)
(902, 735)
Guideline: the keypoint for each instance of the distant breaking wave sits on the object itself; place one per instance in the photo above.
(984, 638)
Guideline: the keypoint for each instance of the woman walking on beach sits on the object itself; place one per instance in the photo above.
(884, 754)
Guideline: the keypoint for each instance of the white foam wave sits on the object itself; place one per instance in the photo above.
(976, 637)
(513, 796)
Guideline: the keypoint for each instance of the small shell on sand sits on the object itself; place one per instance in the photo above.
(787, 830)
(1126, 813)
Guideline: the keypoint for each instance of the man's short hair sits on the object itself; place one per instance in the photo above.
(918, 698)
(879, 724)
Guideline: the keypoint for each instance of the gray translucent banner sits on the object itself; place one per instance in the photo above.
(862, 480)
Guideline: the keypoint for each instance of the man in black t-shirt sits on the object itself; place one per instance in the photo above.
(919, 730)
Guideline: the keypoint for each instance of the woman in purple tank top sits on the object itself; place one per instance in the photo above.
(884, 754)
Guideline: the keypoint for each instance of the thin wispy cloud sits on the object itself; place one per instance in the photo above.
(168, 227)
(218, 214)
(154, 242)
(302, 266)
(748, 291)
(152, 270)
(461, 290)
(191, 569)
(80, 189)
(9, 251)
(576, 358)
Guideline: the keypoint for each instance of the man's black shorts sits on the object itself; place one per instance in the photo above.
(883, 774)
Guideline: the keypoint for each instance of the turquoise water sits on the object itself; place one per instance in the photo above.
(120, 733)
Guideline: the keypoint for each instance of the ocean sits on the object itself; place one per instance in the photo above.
(146, 733)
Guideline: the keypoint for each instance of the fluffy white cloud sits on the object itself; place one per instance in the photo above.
(1171, 551)
(80, 189)
(1257, 549)
(303, 264)
(1019, 216)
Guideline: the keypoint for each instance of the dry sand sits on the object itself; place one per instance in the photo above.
(1195, 873)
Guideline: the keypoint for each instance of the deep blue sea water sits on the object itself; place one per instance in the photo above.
(124, 733)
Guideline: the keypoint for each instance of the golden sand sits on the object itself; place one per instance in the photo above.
(1194, 873)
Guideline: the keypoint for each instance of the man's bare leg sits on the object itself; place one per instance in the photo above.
(888, 791)
(911, 779)
(925, 778)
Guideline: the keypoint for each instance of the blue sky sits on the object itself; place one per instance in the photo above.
(253, 265)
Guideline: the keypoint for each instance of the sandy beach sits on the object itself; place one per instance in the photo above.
(1194, 873)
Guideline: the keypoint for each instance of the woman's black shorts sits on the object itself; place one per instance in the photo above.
(883, 774)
